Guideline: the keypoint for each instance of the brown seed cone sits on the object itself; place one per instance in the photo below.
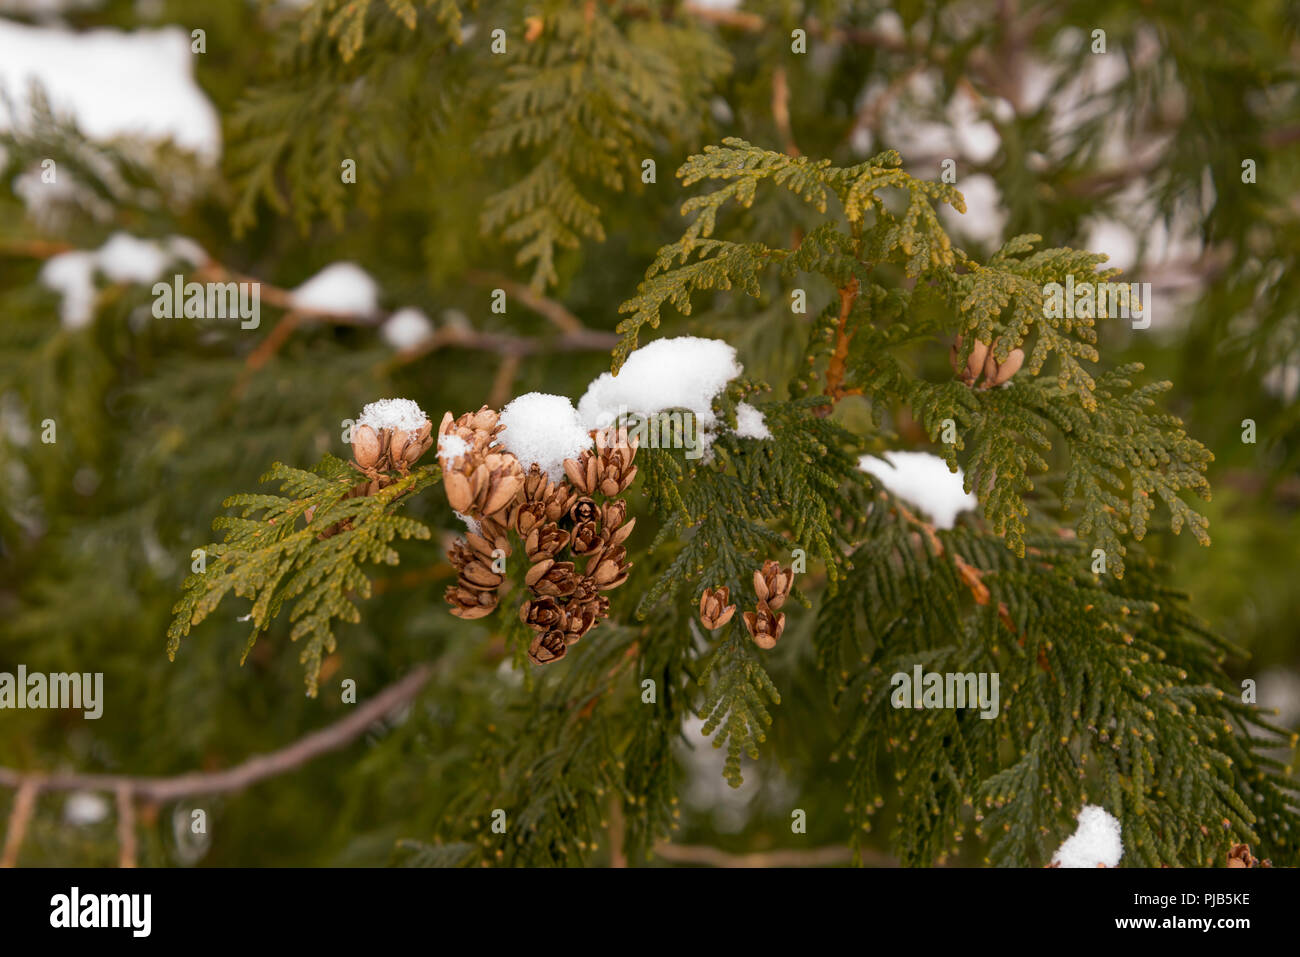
(545, 541)
(542, 614)
(478, 575)
(1240, 856)
(765, 625)
(560, 501)
(487, 549)
(375, 452)
(613, 513)
(715, 608)
(478, 429)
(608, 567)
(467, 603)
(772, 584)
(557, 580)
(585, 591)
(580, 619)
(483, 485)
(523, 517)
(365, 447)
(537, 486)
(586, 538)
(583, 472)
(584, 510)
(617, 536)
(548, 646)
(616, 440)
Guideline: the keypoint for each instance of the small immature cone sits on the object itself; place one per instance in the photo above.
(547, 647)
(772, 584)
(996, 373)
(765, 625)
(979, 352)
(715, 608)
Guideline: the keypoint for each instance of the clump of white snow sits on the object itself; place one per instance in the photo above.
(401, 414)
(923, 481)
(127, 259)
(83, 808)
(682, 373)
(407, 329)
(543, 430)
(72, 276)
(123, 258)
(342, 288)
(450, 448)
(151, 93)
(1095, 842)
(750, 423)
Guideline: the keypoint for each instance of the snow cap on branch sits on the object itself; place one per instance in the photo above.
(923, 481)
(686, 372)
(1095, 842)
(342, 288)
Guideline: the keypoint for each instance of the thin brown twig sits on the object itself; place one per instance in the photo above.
(781, 110)
(255, 769)
(559, 316)
(19, 816)
(836, 368)
(125, 826)
(715, 857)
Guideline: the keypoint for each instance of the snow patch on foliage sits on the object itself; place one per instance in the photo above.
(543, 430)
(150, 94)
(407, 329)
(1095, 843)
(401, 414)
(84, 808)
(750, 423)
(123, 258)
(923, 481)
(681, 373)
(342, 288)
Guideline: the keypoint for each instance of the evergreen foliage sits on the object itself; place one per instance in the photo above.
(1120, 684)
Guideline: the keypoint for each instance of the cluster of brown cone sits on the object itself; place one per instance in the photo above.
(982, 361)
(765, 624)
(557, 522)
(376, 453)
